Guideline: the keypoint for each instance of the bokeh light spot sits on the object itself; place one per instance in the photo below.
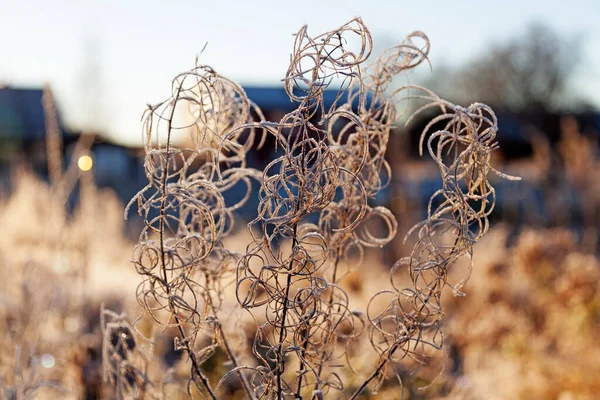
(48, 361)
(60, 265)
(85, 163)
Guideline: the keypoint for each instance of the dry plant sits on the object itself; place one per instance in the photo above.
(533, 320)
(328, 167)
(47, 331)
(27, 382)
(118, 352)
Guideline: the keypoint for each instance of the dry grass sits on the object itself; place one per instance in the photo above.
(533, 320)
(57, 269)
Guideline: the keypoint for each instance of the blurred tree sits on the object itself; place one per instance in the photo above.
(528, 72)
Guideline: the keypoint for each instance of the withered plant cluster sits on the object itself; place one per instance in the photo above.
(533, 318)
(51, 258)
(313, 223)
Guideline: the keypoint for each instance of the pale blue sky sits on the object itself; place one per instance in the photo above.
(138, 46)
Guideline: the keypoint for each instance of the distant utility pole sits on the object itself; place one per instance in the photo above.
(90, 88)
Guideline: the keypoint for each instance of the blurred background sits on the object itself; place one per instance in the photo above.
(75, 78)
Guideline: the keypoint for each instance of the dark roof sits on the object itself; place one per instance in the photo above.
(22, 114)
(275, 98)
(511, 127)
(514, 126)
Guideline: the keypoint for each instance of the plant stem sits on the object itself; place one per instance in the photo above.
(304, 335)
(231, 356)
(280, 361)
(195, 366)
(362, 387)
(333, 280)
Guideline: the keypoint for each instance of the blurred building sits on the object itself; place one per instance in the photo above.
(23, 141)
(23, 129)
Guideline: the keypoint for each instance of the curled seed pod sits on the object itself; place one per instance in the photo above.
(411, 325)
(314, 219)
(180, 254)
